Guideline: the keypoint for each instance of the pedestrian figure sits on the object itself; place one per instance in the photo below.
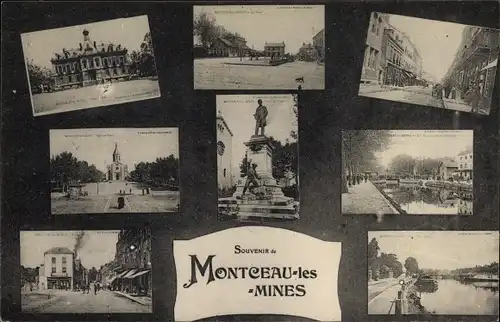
(366, 179)
(453, 93)
(130, 190)
(251, 176)
(143, 192)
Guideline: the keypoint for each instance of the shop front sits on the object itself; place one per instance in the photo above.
(59, 283)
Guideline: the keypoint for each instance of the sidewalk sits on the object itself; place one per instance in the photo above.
(144, 300)
(457, 105)
(364, 198)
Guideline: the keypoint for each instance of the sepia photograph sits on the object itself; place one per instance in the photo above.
(257, 157)
(407, 172)
(104, 271)
(114, 170)
(453, 69)
(259, 47)
(92, 65)
(433, 272)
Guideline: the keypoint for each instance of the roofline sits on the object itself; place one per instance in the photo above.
(227, 126)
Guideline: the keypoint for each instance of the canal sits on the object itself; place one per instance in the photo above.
(459, 298)
(418, 200)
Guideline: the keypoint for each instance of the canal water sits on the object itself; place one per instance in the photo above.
(459, 298)
(417, 200)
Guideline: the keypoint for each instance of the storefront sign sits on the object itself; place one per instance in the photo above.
(257, 270)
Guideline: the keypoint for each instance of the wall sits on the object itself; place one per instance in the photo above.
(224, 161)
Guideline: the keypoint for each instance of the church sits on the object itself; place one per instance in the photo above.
(117, 171)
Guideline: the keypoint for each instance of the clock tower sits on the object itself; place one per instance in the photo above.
(224, 155)
(117, 171)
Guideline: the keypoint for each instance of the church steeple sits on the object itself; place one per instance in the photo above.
(116, 154)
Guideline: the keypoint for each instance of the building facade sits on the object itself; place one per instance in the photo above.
(274, 50)
(319, 45)
(117, 170)
(89, 64)
(224, 154)
(307, 52)
(132, 264)
(80, 274)
(229, 46)
(475, 62)
(57, 269)
(374, 60)
(393, 53)
(465, 165)
(447, 169)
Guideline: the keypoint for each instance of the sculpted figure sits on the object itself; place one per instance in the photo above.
(260, 118)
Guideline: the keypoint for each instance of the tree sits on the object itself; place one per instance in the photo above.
(373, 249)
(65, 168)
(294, 133)
(205, 27)
(358, 152)
(143, 60)
(402, 164)
(411, 265)
(161, 172)
(93, 274)
(38, 75)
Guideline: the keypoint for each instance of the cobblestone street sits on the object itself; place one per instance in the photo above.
(56, 301)
(228, 73)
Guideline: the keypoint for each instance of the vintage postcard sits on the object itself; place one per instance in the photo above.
(114, 170)
(433, 272)
(409, 172)
(241, 47)
(258, 274)
(86, 271)
(454, 69)
(257, 157)
(91, 65)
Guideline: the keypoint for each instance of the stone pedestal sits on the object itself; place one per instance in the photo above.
(265, 201)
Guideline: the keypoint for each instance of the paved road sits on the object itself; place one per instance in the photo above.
(406, 96)
(76, 302)
(364, 198)
(381, 304)
(90, 96)
(215, 73)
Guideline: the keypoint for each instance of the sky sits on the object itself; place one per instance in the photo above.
(98, 247)
(238, 110)
(426, 143)
(446, 250)
(42, 45)
(96, 146)
(436, 41)
(259, 24)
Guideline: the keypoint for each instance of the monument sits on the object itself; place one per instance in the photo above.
(259, 195)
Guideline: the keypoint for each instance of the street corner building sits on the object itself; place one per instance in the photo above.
(57, 271)
(262, 188)
(400, 65)
(90, 65)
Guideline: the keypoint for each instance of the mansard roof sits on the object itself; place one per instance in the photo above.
(87, 48)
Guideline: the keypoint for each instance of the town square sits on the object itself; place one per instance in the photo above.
(135, 183)
(229, 55)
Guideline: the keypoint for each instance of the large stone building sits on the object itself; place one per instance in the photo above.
(465, 165)
(89, 64)
(274, 50)
(117, 170)
(392, 50)
(132, 264)
(319, 45)
(57, 269)
(374, 61)
(80, 274)
(229, 46)
(224, 154)
(475, 62)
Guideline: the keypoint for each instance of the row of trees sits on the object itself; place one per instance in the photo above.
(381, 265)
(163, 171)
(143, 60)
(406, 164)
(491, 268)
(29, 275)
(358, 152)
(66, 168)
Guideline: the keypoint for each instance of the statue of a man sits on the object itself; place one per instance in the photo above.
(251, 177)
(260, 118)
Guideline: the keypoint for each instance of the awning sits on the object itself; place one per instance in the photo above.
(491, 65)
(112, 279)
(139, 274)
(130, 273)
(409, 74)
(122, 273)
